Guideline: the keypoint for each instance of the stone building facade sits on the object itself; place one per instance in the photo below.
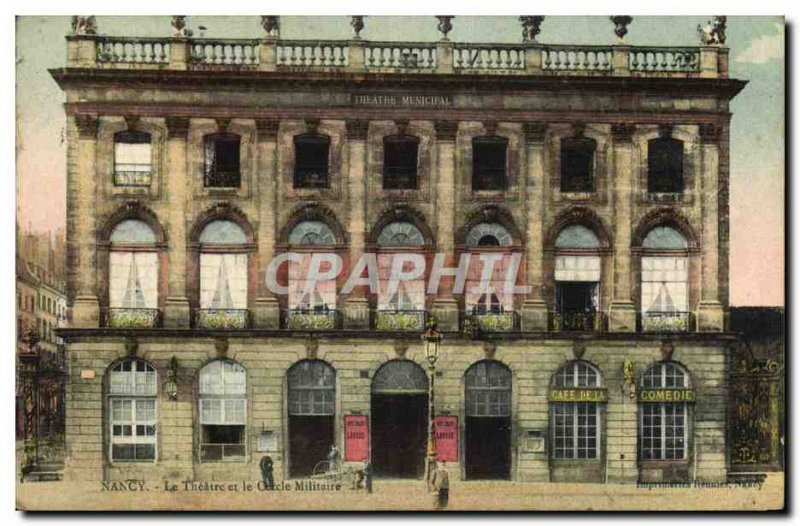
(190, 160)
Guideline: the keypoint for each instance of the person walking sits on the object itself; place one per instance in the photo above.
(266, 472)
(367, 469)
(441, 485)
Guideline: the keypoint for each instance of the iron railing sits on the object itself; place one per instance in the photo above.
(673, 321)
(222, 318)
(312, 319)
(400, 320)
(578, 321)
(131, 318)
(501, 321)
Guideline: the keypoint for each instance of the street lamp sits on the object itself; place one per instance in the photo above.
(29, 368)
(432, 339)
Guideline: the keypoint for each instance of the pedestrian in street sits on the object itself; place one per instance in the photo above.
(333, 459)
(441, 485)
(266, 472)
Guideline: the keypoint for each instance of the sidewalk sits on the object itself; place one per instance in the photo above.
(401, 496)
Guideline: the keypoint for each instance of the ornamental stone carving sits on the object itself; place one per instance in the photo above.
(271, 25)
(177, 127)
(446, 130)
(530, 27)
(84, 25)
(179, 29)
(534, 131)
(621, 25)
(358, 25)
(445, 25)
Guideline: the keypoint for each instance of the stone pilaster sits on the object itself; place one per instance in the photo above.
(356, 306)
(266, 311)
(622, 312)
(445, 307)
(534, 308)
(621, 433)
(176, 306)
(83, 216)
(710, 315)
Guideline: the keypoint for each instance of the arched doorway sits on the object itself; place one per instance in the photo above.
(312, 389)
(399, 419)
(488, 421)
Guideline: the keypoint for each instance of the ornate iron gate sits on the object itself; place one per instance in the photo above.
(755, 419)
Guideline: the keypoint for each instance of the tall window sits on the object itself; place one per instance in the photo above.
(489, 163)
(409, 295)
(132, 158)
(306, 235)
(132, 418)
(311, 154)
(223, 411)
(223, 266)
(400, 163)
(576, 425)
(664, 428)
(577, 164)
(577, 279)
(665, 281)
(665, 165)
(312, 393)
(222, 168)
(133, 275)
(483, 298)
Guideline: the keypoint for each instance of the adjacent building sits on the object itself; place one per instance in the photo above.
(602, 170)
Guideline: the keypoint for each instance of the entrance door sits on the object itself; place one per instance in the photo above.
(488, 451)
(399, 420)
(399, 434)
(312, 389)
(488, 422)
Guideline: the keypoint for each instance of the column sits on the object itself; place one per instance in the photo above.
(710, 314)
(266, 311)
(176, 306)
(356, 306)
(622, 312)
(82, 218)
(445, 306)
(534, 308)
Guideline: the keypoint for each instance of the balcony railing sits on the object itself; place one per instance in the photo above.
(222, 318)
(358, 56)
(400, 320)
(314, 320)
(221, 452)
(665, 321)
(507, 321)
(132, 175)
(131, 318)
(578, 321)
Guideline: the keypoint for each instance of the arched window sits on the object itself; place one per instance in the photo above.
(310, 308)
(311, 388)
(401, 304)
(133, 276)
(665, 165)
(489, 163)
(577, 279)
(488, 389)
(400, 376)
(132, 417)
(577, 164)
(223, 411)
(489, 299)
(400, 162)
(665, 281)
(312, 233)
(222, 169)
(223, 275)
(576, 422)
(311, 154)
(132, 158)
(664, 427)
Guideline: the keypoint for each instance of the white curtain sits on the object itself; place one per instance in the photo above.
(223, 281)
(133, 280)
(322, 295)
(665, 284)
(409, 295)
(132, 157)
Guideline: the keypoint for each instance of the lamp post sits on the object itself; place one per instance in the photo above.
(432, 338)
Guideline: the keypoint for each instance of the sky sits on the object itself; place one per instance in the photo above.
(757, 134)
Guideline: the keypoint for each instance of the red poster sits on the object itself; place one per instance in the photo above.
(446, 429)
(356, 438)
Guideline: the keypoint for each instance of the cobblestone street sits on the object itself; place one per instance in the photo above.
(395, 495)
